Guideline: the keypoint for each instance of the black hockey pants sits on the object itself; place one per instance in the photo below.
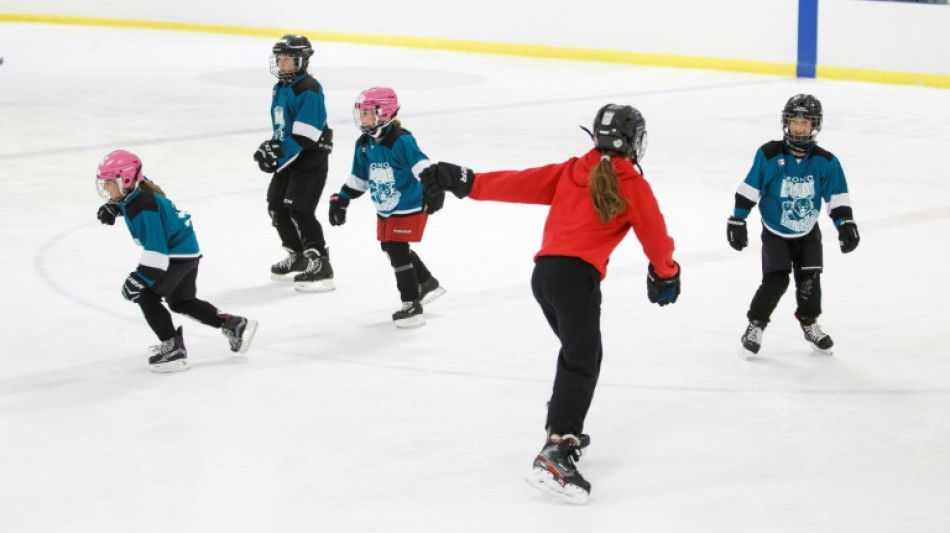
(568, 291)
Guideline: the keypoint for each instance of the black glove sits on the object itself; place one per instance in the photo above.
(107, 214)
(338, 205)
(433, 203)
(325, 142)
(133, 287)
(848, 236)
(663, 291)
(267, 155)
(737, 233)
(447, 177)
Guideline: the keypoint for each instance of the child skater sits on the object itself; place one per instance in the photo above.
(169, 265)
(387, 163)
(595, 199)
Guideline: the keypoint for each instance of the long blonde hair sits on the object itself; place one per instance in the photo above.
(604, 189)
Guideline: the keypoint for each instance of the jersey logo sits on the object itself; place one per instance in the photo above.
(382, 186)
(799, 212)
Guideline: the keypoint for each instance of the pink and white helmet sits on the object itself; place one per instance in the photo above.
(384, 103)
(121, 166)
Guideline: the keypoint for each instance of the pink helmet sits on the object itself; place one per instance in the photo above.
(383, 101)
(122, 166)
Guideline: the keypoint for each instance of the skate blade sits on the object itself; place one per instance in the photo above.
(744, 353)
(249, 330)
(324, 285)
(180, 365)
(433, 295)
(283, 277)
(411, 322)
(829, 351)
(545, 482)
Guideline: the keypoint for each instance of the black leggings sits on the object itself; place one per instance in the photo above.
(409, 268)
(568, 291)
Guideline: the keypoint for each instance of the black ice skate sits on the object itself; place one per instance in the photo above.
(239, 331)
(554, 472)
(752, 339)
(288, 267)
(318, 277)
(430, 290)
(171, 355)
(409, 315)
(818, 339)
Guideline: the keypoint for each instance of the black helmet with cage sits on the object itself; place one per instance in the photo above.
(295, 46)
(805, 106)
(620, 128)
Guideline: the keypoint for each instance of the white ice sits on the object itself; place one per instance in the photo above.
(337, 421)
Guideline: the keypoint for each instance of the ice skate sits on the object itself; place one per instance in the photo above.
(171, 356)
(318, 277)
(430, 290)
(288, 267)
(752, 339)
(818, 339)
(554, 472)
(239, 331)
(409, 315)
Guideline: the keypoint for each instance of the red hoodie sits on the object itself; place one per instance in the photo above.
(573, 227)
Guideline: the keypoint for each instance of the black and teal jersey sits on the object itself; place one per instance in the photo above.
(389, 169)
(298, 115)
(164, 232)
(790, 192)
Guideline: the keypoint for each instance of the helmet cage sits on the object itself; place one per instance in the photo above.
(295, 46)
(805, 106)
(383, 102)
(122, 167)
(620, 128)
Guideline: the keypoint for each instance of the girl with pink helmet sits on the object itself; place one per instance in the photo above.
(387, 163)
(168, 268)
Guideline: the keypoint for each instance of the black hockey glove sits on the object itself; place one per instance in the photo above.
(133, 287)
(737, 233)
(663, 291)
(433, 203)
(447, 177)
(325, 142)
(848, 236)
(338, 205)
(107, 214)
(267, 155)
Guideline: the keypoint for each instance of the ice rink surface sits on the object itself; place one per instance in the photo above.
(336, 421)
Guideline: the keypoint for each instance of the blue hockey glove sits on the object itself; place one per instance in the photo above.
(848, 236)
(267, 155)
(338, 205)
(737, 233)
(663, 291)
(133, 287)
(107, 214)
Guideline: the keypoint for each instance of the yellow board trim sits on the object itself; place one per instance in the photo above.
(523, 50)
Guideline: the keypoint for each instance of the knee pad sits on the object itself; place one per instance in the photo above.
(278, 215)
(398, 253)
(777, 282)
(808, 283)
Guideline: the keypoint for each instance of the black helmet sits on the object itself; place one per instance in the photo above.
(296, 46)
(801, 105)
(620, 128)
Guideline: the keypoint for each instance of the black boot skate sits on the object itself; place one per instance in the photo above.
(430, 290)
(409, 315)
(554, 472)
(288, 267)
(752, 338)
(171, 355)
(239, 331)
(818, 339)
(319, 274)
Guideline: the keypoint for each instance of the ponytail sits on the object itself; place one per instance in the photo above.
(148, 185)
(605, 190)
